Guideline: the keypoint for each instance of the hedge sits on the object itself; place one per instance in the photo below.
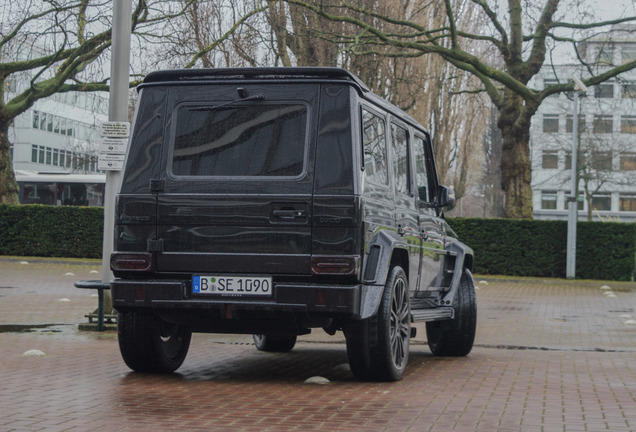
(48, 231)
(605, 250)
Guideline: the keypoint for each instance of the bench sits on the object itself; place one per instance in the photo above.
(100, 287)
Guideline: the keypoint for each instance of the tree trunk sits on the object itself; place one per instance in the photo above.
(8, 186)
(514, 122)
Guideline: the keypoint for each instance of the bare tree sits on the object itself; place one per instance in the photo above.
(60, 47)
(521, 35)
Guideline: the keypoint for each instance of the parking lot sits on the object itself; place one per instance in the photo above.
(550, 355)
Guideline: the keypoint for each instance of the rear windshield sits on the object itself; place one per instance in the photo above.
(240, 141)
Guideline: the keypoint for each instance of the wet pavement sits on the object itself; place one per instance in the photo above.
(550, 355)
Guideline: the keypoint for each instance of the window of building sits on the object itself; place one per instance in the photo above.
(627, 161)
(628, 90)
(548, 200)
(34, 153)
(602, 202)
(628, 124)
(604, 91)
(605, 55)
(627, 203)
(603, 124)
(569, 123)
(550, 159)
(602, 160)
(549, 82)
(550, 123)
(628, 53)
(40, 154)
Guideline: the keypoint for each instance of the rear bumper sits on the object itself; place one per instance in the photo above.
(335, 301)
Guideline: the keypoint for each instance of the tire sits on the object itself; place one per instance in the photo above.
(378, 348)
(455, 337)
(270, 343)
(150, 345)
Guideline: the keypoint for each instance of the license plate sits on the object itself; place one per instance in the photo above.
(232, 285)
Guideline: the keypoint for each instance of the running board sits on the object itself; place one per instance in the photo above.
(437, 314)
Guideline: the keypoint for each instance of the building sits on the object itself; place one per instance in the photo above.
(607, 137)
(59, 134)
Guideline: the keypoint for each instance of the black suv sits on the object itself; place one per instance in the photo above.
(270, 201)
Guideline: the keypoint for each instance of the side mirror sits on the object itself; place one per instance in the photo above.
(445, 198)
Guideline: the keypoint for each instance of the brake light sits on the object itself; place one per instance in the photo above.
(334, 265)
(131, 261)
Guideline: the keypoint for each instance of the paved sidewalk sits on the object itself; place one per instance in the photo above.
(550, 355)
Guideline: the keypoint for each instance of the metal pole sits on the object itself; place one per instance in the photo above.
(570, 268)
(117, 111)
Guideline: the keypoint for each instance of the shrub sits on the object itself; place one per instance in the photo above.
(538, 248)
(38, 230)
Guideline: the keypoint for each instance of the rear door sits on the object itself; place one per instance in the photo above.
(431, 226)
(236, 189)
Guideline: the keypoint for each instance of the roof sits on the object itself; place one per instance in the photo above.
(273, 73)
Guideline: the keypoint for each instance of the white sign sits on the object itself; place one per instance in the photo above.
(113, 145)
(110, 162)
(113, 129)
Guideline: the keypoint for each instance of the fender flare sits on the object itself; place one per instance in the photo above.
(376, 266)
(464, 260)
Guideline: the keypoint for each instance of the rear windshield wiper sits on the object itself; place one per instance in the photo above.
(245, 99)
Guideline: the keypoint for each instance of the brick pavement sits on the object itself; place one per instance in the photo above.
(550, 356)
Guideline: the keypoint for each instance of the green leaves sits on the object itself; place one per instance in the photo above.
(538, 248)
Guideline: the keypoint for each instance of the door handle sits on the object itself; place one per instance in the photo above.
(289, 214)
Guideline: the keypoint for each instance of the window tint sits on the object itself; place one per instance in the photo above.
(569, 123)
(602, 202)
(550, 123)
(627, 203)
(375, 160)
(399, 145)
(604, 91)
(548, 200)
(421, 172)
(550, 159)
(238, 141)
(603, 124)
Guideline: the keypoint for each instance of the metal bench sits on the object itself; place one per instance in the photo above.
(100, 287)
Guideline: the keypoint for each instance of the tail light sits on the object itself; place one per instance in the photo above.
(335, 265)
(140, 262)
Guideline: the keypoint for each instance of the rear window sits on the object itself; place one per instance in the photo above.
(256, 140)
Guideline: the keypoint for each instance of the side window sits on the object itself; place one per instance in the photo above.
(374, 141)
(399, 145)
(421, 173)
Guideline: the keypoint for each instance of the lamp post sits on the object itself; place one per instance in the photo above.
(117, 112)
(570, 267)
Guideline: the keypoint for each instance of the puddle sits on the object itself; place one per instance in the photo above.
(30, 328)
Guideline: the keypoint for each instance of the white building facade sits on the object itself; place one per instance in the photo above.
(607, 139)
(59, 134)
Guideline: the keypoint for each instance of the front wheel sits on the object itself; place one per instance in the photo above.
(151, 345)
(272, 343)
(455, 337)
(378, 348)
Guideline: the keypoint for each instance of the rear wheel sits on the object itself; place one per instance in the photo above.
(150, 344)
(271, 343)
(378, 348)
(455, 337)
